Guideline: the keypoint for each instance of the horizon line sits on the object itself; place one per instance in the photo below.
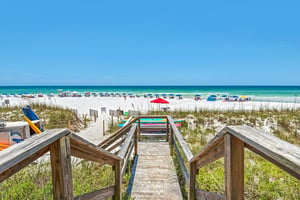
(117, 85)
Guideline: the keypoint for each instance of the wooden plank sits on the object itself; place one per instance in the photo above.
(14, 169)
(128, 121)
(136, 139)
(153, 134)
(61, 169)
(24, 150)
(181, 163)
(101, 194)
(214, 154)
(168, 130)
(152, 116)
(203, 195)
(210, 145)
(234, 167)
(118, 181)
(119, 133)
(279, 152)
(86, 150)
(171, 136)
(113, 146)
(184, 146)
(125, 161)
(127, 142)
(275, 162)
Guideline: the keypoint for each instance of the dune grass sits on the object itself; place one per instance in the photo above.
(51, 116)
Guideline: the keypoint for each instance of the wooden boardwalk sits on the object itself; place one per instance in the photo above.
(155, 177)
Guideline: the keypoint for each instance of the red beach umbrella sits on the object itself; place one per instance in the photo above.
(159, 100)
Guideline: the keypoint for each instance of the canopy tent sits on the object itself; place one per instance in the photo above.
(159, 100)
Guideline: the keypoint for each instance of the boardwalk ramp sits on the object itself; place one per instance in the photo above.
(155, 176)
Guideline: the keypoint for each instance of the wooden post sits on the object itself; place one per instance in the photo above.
(136, 142)
(234, 168)
(69, 124)
(192, 181)
(103, 126)
(171, 137)
(167, 130)
(118, 181)
(61, 169)
(139, 127)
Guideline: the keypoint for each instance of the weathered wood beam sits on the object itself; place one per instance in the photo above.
(119, 133)
(86, 150)
(125, 160)
(219, 138)
(118, 180)
(234, 168)
(60, 152)
(184, 146)
(279, 152)
(192, 181)
(115, 145)
(127, 142)
(20, 165)
(181, 163)
(214, 154)
(19, 155)
(136, 139)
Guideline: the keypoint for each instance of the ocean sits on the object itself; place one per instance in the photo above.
(257, 93)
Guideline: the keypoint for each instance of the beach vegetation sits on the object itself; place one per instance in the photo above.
(263, 180)
(51, 116)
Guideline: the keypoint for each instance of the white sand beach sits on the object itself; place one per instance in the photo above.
(143, 105)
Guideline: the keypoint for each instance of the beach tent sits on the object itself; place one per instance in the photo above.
(159, 101)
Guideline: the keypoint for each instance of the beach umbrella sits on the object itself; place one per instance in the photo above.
(159, 100)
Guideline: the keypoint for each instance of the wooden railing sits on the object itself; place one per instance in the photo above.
(117, 149)
(62, 144)
(230, 144)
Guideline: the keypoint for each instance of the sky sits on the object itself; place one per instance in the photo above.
(153, 42)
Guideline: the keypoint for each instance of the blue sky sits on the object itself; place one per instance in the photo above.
(149, 42)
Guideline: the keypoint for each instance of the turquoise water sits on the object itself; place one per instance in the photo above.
(270, 93)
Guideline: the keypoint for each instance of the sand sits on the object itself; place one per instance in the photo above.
(83, 104)
(94, 133)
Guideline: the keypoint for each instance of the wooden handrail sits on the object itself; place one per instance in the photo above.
(230, 143)
(184, 146)
(18, 156)
(281, 153)
(62, 144)
(126, 143)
